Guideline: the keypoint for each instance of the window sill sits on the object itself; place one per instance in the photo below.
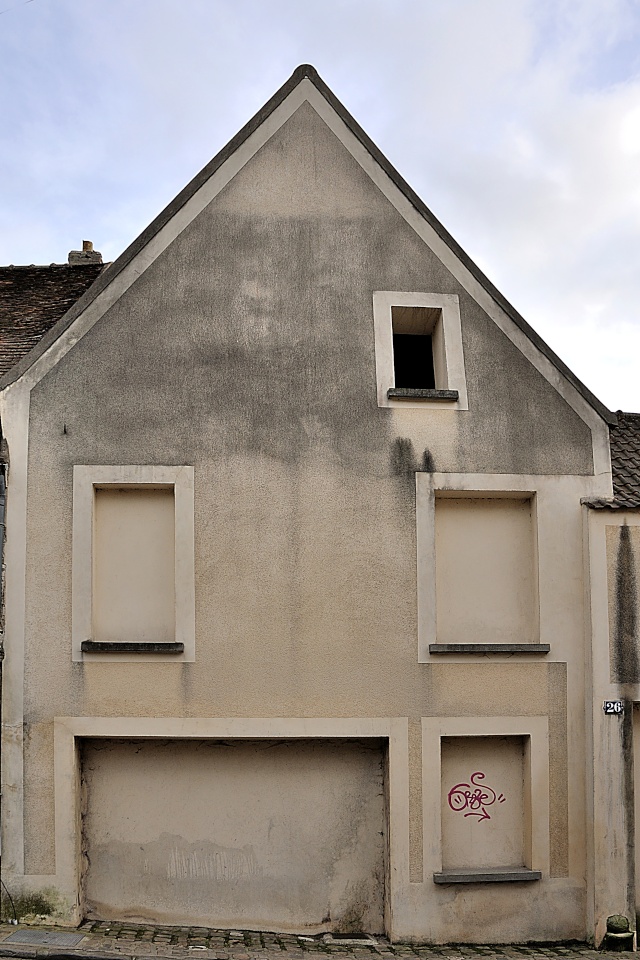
(116, 646)
(411, 393)
(491, 875)
(504, 648)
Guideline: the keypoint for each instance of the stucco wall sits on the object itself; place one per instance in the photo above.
(247, 350)
(276, 834)
(613, 556)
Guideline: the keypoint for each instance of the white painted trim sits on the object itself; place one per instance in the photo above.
(426, 563)
(85, 480)
(307, 92)
(536, 729)
(14, 413)
(68, 730)
(544, 490)
(447, 347)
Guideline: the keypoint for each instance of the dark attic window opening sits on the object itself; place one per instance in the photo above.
(413, 361)
(418, 354)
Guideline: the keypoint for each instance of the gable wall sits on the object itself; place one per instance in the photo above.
(247, 350)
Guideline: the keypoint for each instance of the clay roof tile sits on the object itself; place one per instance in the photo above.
(32, 300)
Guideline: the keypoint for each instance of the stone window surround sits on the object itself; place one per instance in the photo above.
(535, 730)
(429, 487)
(448, 353)
(85, 480)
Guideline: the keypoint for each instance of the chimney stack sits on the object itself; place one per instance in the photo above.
(78, 258)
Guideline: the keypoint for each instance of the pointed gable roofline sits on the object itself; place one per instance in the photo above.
(303, 72)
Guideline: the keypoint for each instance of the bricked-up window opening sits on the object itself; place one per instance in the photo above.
(133, 574)
(486, 803)
(413, 360)
(134, 564)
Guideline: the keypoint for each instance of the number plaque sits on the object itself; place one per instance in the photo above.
(613, 707)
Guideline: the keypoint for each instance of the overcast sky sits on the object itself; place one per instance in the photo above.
(516, 121)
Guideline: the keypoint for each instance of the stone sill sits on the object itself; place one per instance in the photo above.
(129, 646)
(444, 648)
(412, 393)
(491, 875)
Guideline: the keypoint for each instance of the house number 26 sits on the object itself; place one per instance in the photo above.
(613, 706)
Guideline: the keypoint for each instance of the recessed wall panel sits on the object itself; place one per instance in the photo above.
(484, 803)
(284, 835)
(133, 597)
(485, 571)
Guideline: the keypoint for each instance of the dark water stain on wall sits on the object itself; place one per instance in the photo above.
(624, 654)
(428, 464)
(403, 458)
(626, 736)
(404, 462)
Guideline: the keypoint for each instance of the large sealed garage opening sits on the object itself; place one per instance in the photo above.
(285, 835)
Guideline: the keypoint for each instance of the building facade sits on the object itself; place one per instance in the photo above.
(314, 564)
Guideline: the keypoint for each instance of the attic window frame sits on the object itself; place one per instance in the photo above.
(442, 324)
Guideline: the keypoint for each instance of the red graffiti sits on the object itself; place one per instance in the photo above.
(474, 797)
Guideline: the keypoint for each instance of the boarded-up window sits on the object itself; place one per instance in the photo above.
(485, 802)
(486, 586)
(134, 564)
(280, 835)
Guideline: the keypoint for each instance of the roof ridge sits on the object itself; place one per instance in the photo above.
(48, 266)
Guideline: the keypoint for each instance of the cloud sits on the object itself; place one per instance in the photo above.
(517, 121)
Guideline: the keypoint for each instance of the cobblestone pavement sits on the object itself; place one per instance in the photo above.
(112, 941)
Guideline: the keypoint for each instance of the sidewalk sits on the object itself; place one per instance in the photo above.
(106, 940)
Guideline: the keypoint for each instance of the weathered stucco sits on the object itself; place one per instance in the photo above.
(281, 835)
(623, 562)
(246, 350)
(484, 810)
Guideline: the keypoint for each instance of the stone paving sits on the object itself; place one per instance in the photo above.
(105, 940)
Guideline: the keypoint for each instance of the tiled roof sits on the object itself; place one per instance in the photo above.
(625, 464)
(32, 299)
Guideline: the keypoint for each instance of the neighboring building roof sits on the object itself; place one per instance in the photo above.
(32, 300)
(625, 464)
(625, 459)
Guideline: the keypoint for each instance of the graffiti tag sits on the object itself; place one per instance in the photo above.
(474, 797)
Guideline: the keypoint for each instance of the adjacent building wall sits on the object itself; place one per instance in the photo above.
(613, 691)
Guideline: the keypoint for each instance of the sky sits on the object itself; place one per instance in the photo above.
(516, 121)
